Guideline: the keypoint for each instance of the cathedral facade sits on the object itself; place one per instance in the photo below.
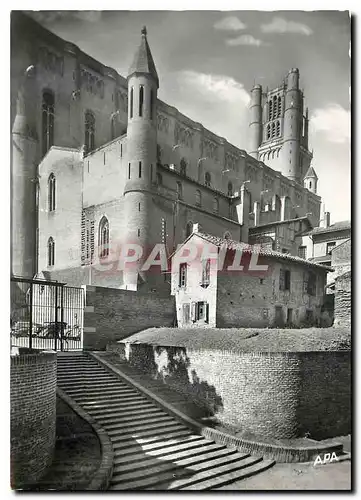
(98, 162)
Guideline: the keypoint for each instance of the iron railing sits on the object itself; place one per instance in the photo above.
(46, 315)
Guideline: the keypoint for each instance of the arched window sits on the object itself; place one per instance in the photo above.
(250, 203)
(310, 185)
(278, 128)
(51, 193)
(183, 167)
(189, 228)
(215, 205)
(270, 109)
(268, 131)
(274, 107)
(89, 141)
(159, 179)
(273, 129)
(103, 238)
(51, 252)
(48, 111)
(113, 127)
(198, 198)
(141, 100)
(230, 189)
(179, 191)
(151, 104)
(227, 235)
(131, 102)
(279, 102)
(207, 179)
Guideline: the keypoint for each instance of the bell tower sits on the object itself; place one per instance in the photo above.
(143, 84)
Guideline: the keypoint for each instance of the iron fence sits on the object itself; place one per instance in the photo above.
(46, 315)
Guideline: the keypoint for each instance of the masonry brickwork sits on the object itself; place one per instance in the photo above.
(112, 314)
(275, 395)
(33, 416)
(176, 154)
(343, 302)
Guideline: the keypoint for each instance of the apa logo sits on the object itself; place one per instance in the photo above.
(327, 458)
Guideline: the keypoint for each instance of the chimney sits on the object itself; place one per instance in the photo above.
(195, 228)
(326, 219)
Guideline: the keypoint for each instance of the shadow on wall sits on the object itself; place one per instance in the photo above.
(171, 365)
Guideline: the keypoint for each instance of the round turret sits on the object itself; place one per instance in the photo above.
(255, 120)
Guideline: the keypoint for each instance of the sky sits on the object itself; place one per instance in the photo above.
(208, 61)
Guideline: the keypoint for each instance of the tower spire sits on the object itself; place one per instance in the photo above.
(143, 62)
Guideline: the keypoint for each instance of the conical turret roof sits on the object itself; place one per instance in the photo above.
(311, 173)
(143, 60)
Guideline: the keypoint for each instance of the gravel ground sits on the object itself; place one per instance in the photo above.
(247, 339)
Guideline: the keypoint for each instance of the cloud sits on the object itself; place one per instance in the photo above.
(245, 40)
(280, 25)
(231, 23)
(333, 121)
(223, 87)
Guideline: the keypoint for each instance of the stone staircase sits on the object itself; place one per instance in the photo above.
(152, 449)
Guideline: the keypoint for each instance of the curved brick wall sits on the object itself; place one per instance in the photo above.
(278, 395)
(33, 416)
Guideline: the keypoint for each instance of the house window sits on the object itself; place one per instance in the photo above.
(48, 112)
(309, 283)
(140, 169)
(200, 311)
(89, 140)
(285, 279)
(270, 109)
(159, 179)
(268, 131)
(207, 179)
(230, 189)
(302, 252)
(278, 128)
(274, 114)
(103, 239)
(131, 102)
(183, 167)
(227, 235)
(128, 170)
(289, 316)
(141, 100)
(51, 252)
(330, 246)
(279, 105)
(186, 313)
(206, 272)
(215, 205)
(198, 198)
(179, 191)
(51, 193)
(183, 275)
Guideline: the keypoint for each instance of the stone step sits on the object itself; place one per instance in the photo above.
(136, 427)
(229, 477)
(96, 411)
(118, 437)
(218, 467)
(123, 404)
(194, 454)
(86, 376)
(156, 449)
(145, 421)
(107, 391)
(122, 400)
(90, 384)
(166, 437)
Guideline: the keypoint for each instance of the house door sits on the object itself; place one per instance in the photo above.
(279, 319)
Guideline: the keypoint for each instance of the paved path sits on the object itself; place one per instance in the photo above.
(153, 450)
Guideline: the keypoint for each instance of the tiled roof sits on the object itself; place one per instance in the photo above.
(263, 251)
(337, 226)
(143, 60)
(311, 173)
(280, 222)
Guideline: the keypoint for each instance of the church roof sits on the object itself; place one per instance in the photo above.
(311, 173)
(143, 60)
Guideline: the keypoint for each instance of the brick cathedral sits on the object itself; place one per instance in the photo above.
(98, 160)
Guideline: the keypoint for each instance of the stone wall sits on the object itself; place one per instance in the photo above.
(275, 395)
(33, 416)
(112, 314)
(342, 313)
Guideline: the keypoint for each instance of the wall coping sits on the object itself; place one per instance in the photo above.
(33, 359)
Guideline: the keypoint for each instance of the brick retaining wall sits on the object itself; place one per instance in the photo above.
(33, 416)
(112, 314)
(276, 395)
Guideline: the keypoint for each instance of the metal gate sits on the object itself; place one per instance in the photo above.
(46, 315)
